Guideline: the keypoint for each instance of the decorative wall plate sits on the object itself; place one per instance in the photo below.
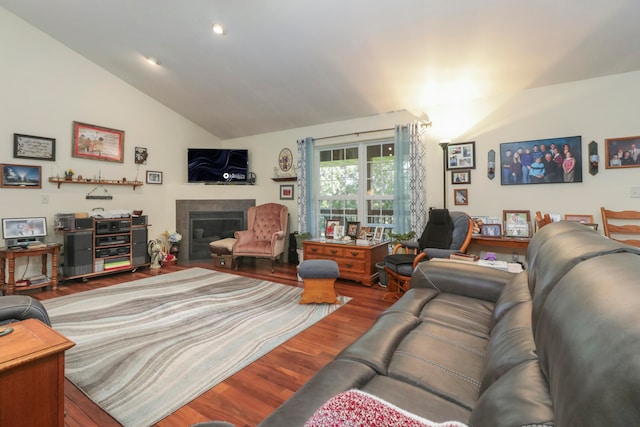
(285, 159)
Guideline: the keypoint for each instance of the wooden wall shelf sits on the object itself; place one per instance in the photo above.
(285, 178)
(59, 181)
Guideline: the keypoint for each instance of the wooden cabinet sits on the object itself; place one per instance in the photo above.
(32, 375)
(111, 245)
(356, 262)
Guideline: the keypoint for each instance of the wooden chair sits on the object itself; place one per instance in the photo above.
(622, 230)
(542, 220)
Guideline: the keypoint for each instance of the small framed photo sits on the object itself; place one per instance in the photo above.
(33, 147)
(97, 143)
(338, 232)
(516, 223)
(141, 156)
(377, 234)
(20, 176)
(353, 228)
(154, 177)
(364, 233)
(461, 196)
(584, 219)
(622, 152)
(286, 192)
(478, 222)
(491, 230)
(461, 177)
(330, 227)
(461, 156)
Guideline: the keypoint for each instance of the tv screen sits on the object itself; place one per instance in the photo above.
(217, 165)
(20, 228)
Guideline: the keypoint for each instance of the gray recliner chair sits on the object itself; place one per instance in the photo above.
(14, 308)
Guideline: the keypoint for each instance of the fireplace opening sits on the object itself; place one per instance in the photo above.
(206, 227)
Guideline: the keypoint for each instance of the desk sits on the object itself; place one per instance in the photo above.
(501, 242)
(10, 255)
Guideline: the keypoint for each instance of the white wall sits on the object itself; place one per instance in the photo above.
(45, 87)
(595, 109)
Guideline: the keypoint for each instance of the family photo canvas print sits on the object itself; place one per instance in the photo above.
(541, 161)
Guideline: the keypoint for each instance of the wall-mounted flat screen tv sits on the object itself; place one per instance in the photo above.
(210, 165)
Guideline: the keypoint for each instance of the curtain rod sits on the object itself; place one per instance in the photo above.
(353, 133)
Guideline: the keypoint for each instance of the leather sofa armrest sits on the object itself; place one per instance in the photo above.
(14, 308)
(462, 279)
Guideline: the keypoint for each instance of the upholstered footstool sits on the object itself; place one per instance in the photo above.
(319, 277)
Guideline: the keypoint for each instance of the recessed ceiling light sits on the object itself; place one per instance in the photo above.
(152, 60)
(219, 29)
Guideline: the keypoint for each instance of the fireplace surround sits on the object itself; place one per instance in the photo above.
(202, 221)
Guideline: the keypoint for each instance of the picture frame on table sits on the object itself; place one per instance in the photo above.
(622, 152)
(461, 196)
(461, 177)
(154, 177)
(516, 223)
(364, 233)
(97, 143)
(330, 227)
(478, 222)
(491, 230)
(286, 192)
(338, 232)
(377, 234)
(461, 155)
(34, 147)
(353, 229)
(20, 176)
(581, 218)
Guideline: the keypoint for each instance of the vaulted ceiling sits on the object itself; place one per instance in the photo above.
(291, 63)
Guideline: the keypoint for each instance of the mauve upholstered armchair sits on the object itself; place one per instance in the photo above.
(265, 233)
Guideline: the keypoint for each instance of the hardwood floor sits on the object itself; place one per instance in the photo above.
(247, 397)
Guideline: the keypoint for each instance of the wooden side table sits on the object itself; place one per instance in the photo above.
(8, 256)
(32, 375)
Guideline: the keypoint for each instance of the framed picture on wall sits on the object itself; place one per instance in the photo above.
(154, 177)
(461, 196)
(20, 176)
(461, 155)
(461, 177)
(97, 143)
(622, 152)
(286, 192)
(34, 147)
(541, 161)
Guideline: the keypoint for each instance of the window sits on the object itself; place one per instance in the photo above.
(355, 183)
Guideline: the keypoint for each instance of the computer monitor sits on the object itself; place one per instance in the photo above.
(18, 231)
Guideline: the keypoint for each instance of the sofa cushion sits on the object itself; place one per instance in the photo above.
(514, 293)
(519, 398)
(511, 343)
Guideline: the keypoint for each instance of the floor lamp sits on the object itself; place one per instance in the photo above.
(444, 144)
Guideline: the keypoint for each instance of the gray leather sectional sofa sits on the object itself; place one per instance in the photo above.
(558, 344)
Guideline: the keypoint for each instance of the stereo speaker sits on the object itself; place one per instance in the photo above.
(139, 253)
(78, 253)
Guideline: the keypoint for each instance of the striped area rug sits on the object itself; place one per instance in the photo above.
(145, 348)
